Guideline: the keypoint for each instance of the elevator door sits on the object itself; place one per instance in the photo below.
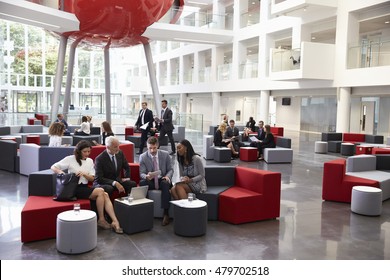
(367, 115)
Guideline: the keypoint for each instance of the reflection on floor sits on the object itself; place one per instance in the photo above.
(308, 227)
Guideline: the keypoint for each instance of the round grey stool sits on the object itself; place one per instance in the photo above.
(347, 149)
(366, 200)
(76, 232)
(190, 218)
(321, 147)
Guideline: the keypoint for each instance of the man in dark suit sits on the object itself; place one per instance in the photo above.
(260, 134)
(157, 160)
(232, 134)
(108, 167)
(166, 126)
(145, 116)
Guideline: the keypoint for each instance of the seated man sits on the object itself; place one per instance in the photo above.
(108, 168)
(60, 118)
(156, 172)
(232, 135)
(260, 135)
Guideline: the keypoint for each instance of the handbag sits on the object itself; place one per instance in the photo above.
(66, 187)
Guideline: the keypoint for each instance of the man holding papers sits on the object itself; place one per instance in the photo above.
(145, 116)
(156, 172)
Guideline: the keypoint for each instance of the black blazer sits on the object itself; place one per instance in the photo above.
(269, 140)
(261, 134)
(167, 117)
(218, 139)
(147, 118)
(105, 172)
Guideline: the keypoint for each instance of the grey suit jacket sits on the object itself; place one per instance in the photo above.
(164, 163)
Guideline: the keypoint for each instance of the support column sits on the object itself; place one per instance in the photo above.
(343, 109)
(107, 81)
(152, 77)
(69, 77)
(264, 106)
(55, 102)
(216, 99)
(183, 103)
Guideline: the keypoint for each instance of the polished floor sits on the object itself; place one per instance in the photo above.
(308, 228)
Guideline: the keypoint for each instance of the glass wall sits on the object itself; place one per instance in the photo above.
(318, 114)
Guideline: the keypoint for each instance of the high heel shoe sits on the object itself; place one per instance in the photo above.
(103, 225)
(116, 228)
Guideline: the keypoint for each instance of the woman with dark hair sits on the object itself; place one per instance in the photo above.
(82, 166)
(85, 127)
(267, 142)
(107, 131)
(249, 128)
(191, 170)
(219, 140)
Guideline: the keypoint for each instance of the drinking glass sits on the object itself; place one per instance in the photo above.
(190, 197)
(76, 208)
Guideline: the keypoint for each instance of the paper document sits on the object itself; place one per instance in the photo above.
(155, 173)
(145, 126)
(254, 139)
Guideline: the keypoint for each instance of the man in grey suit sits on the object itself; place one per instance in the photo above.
(166, 126)
(157, 160)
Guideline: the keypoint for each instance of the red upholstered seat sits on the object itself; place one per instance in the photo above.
(363, 150)
(254, 197)
(354, 137)
(277, 131)
(39, 216)
(30, 121)
(33, 139)
(337, 186)
(42, 117)
(129, 130)
(248, 154)
(380, 151)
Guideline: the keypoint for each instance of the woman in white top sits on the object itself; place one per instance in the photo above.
(81, 165)
(56, 131)
(85, 127)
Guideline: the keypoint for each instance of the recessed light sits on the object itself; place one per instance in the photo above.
(387, 22)
(313, 38)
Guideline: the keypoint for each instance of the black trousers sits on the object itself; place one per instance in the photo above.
(144, 137)
(164, 186)
(109, 189)
(164, 132)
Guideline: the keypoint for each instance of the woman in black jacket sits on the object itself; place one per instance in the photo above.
(268, 142)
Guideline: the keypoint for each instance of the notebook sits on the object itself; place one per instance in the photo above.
(139, 192)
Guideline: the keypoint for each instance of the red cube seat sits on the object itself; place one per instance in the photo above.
(39, 216)
(248, 154)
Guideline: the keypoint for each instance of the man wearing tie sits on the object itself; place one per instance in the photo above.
(145, 116)
(108, 168)
(166, 126)
(157, 160)
(260, 135)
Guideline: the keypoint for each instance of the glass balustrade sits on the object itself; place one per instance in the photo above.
(369, 54)
(286, 60)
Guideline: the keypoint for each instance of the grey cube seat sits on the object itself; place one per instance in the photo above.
(190, 221)
(8, 158)
(278, 155)
(208, 146)
(321, 147)
(222, 154)
(347, 149)
(134, 217)
(136, 139)
(334, 146)
(331, 136)
(42, 183)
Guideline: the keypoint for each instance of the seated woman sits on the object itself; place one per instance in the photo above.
(56, 131)
(191, 169)
(219, 140)
(85, 127)
(249, 128)
(106, 131)
(267, 142)
(81, 165)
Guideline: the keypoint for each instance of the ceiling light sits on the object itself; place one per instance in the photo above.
(387, 22)
(313, 38)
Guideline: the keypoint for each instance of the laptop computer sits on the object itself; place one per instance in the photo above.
(139, 192)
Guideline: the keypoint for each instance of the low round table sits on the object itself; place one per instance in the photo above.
(366, 200)
(76, 233)
(190, 217)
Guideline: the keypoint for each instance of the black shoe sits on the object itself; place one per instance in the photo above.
(165, 220)
(172, 153)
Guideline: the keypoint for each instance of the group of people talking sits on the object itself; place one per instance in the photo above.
(228, 135)
(106, 175)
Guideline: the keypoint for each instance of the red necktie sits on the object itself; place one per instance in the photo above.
(155, 166)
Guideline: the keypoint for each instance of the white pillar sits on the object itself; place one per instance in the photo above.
(343, 109)
(108, 82)
(183, 103)
(216, 98)
(55, 102)
(264, 106)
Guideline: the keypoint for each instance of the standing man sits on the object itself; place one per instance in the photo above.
(145, 116)
(108, 168)
(158, 162)
(166, 126)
